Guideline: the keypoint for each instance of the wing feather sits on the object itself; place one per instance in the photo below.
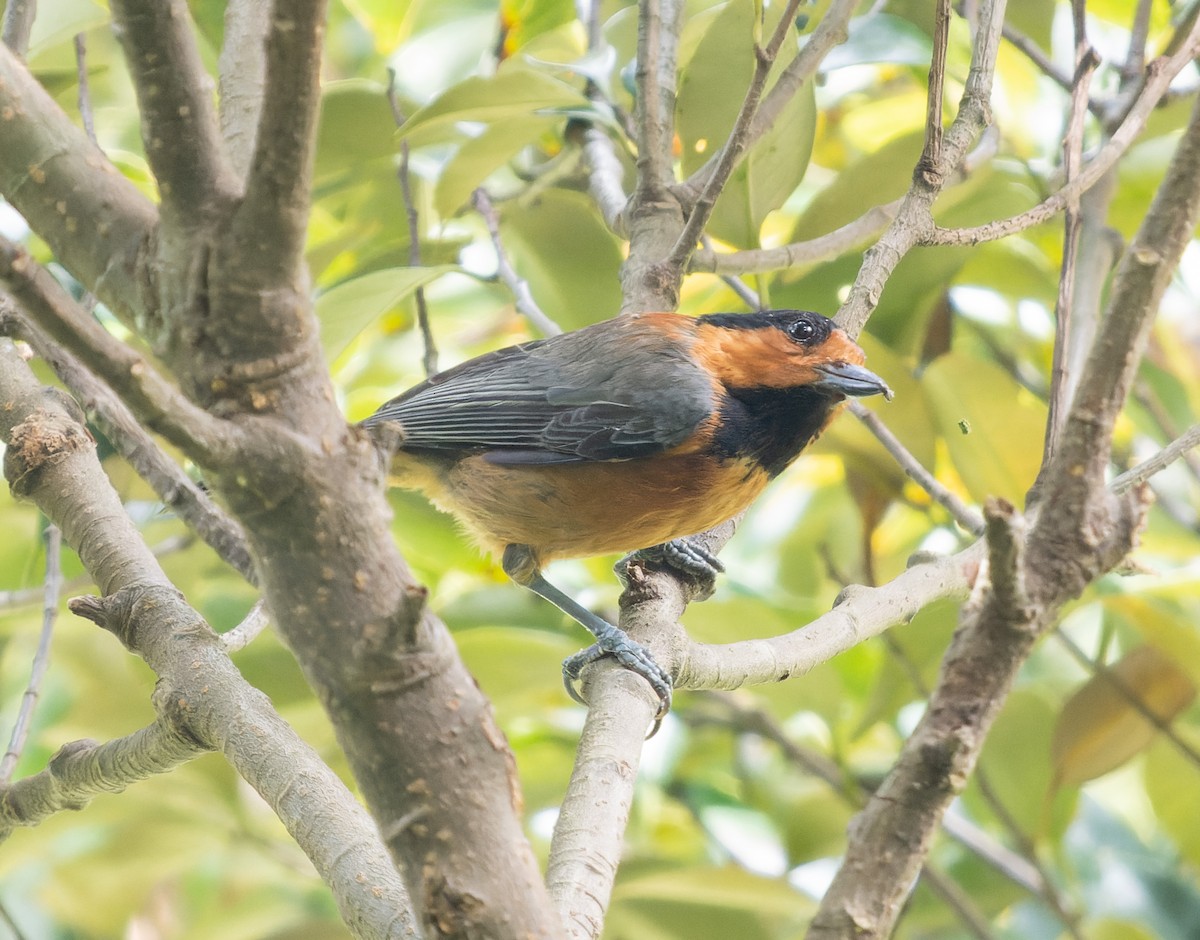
(607, 392)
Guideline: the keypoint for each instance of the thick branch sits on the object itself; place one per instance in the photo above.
(1082, 530)
(179, 121)
(272, 221)
(94, 219)
(659, 23)
(241, 80)
(156, 401)
(18, 25)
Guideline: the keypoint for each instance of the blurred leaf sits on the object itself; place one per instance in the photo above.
(1099, 729)
(516, 93)
(480, 155)
(347, 309)
(572, 262)
(1001, 455)
(59, 20)
(356, 125)
(880, 37)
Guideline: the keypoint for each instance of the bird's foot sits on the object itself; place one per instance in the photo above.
(685, 556)
(630, 654)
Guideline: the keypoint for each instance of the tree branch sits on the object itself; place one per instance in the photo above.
(1061, 386)
(1160, 461)
(51, 459)
(1157, 78)
(82, 770)
(158, 403)
(1081, 531)
(18, 25)
(241, 80)
(71, 195)
(659, 24)
(277, 188)
(522, 295)
(173, 486)
(735, 144)
(859, 613)
(831, 31)
(41, 658)
(914, 220)
(797, 254)
(179, 121)
(966, 516)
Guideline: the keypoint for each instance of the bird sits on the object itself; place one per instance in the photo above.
(632, 433)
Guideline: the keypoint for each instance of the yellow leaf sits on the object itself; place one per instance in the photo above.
(1099, 727)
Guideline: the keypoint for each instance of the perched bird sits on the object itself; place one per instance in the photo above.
(629, 434)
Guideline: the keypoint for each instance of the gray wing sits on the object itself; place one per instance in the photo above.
(602, 393)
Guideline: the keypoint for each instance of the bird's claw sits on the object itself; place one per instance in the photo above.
(685, 556)
(633, 656)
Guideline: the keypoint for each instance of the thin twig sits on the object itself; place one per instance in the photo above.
(1157, 78)
(256, 620)
(797, 254)
(1164, 458)
(745, 293)
(735, 144)
(1061, 385)
(522, 295)
(84, 96)
(430, 359)
(41, 659)
(931, 155)
(1146, 397)
(966, 516)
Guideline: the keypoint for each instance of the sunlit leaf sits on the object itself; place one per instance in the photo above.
(1099, 728)
(347, 309)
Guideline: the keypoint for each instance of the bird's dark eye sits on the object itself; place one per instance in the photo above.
(802, 331)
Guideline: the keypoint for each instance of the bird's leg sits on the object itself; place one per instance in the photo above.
(521, 564)
(684, 555)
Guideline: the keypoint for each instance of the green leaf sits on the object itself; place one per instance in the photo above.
(59, 20)
(356, 126)
(480, 155)
(711, 90)
(1002, 454)
(516, 93)
(572, 262)
(347, 309)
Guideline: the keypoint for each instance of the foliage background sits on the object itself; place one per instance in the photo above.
(732, 834)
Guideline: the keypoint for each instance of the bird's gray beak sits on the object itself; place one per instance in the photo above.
(852, 381)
